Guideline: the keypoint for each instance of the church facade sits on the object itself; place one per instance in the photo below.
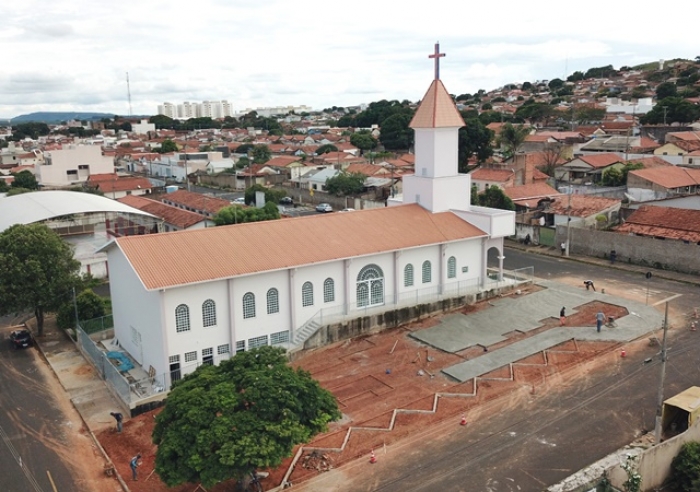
(187, 298)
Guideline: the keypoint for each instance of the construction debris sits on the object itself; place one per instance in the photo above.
(317, 461)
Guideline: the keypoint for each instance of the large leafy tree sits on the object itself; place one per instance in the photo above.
(37, 271)
(261, 154)
(666, 89)
(474, 140)
(247, 413)
(685, 468)
(512, 138)
(363, 140)
(271, 194)
(395, 133)
(26, 180)
(88, 304)
(167, 146)
(676, 109)
(493, 197)
(235, 214)
(345, 183)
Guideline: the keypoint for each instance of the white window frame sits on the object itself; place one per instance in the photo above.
(307, 294)
(191, 356)
(209, 313)
(329, 290)
(182, 318)
(273, 301)
(248, 305)
(223, 349)
(452, 267)
(426, 272)
(408, 275)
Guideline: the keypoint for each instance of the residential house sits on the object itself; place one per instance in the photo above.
(72, 165)
(195, 202)
(692, 159)
(584, 210)
(677, 147)
(174, 218)
(528, 197)
(663, 223)
(114, 186)
(292, 166)
(484, 177)
(662, 182)
(609, 143)
(588, 168)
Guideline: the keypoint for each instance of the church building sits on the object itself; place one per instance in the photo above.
(193, 297)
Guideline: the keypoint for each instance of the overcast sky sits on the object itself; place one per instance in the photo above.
(74, 55)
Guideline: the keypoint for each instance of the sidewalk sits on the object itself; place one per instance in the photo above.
(86, 390)
(554, 252)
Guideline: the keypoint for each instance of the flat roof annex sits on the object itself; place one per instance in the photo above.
(38, 206)
(224, 252)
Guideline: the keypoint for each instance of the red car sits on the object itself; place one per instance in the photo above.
(21, 338)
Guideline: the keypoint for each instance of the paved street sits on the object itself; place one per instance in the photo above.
(32, 426)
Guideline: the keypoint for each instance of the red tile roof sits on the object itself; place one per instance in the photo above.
(530, 191)
(651, 162)
(600, 160)
(437, 109)
(244, 249)
(196, 201)
(172, 215)
(582, 205)
(283, 161)
(116, 184)
(671, 223)
(494, 175)
(670, 177)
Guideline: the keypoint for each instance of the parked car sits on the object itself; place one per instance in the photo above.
(21, 338)
(286, 200)
(324, 207)
(239, 201)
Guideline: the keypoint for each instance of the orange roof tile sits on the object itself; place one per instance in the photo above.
(172, 215)
(494, 175)
(283, 161)
(120, 184)
(651, 162)
(196, 201)
(582, 205)
(437, 109)
(670, 177)
(235, 250)
(530, 191)
(671, 223)
(600, 160)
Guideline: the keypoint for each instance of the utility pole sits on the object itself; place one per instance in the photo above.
(660, 395)
(665, 108)
(568, 222)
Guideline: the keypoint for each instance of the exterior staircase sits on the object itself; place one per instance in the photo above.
(301, 335)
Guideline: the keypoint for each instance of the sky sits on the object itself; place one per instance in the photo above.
(73, 55)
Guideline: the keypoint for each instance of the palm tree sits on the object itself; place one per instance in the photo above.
(512, 138)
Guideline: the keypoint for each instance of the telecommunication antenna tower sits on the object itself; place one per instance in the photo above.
(128, 91)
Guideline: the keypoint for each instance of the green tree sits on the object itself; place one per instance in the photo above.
(162, 122)
(474, 198)
(666, 89)
(3, 186)
(89, 304)
(31, 129)
(670, 110)
(493, 197)
(587, 114)
(261, 154)
(235, 214)
(535, 111)
(527, 86)
(345, 183)
(324, 149)
(248, 412)
(685, 468)
(612, 177)
(512, 138)
(577, 75)
(271, 194)
(555, 84)
(18, 191)
(37, 271)
(395, 133)
(474, 140)
(486, 107)
(167, 146)
(26, 180)
(363, 140)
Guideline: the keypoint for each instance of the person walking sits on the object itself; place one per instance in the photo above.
(589, 285)
(599, 318)
(562, 316)
(563, 248)
(119, 418)
(134, 464)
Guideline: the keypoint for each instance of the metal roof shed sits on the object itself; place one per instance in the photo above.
(681, 411)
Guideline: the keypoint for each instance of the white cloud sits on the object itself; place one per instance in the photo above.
(75, 54)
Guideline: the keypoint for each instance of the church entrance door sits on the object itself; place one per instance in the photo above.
(370, 287)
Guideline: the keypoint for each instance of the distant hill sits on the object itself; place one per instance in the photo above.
(57, 117)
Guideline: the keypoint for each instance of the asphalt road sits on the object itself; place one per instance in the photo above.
(31, 425)
(538, 441)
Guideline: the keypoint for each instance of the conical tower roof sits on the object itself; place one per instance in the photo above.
(437, 109)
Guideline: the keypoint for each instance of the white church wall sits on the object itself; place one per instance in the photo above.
(197, 338)
(468, 257)
(137, 314)
(262, 324)
(436, 152)
(385, 261)
(317, 274)
(416, 257)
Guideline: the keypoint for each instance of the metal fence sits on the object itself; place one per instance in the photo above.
(104, 366)
(97, 324)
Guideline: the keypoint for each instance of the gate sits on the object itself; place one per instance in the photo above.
(547, 236)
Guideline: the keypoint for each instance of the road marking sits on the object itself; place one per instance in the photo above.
(668, 299)
(53, 485)
(18, 459)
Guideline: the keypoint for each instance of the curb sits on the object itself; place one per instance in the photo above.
(125, 488)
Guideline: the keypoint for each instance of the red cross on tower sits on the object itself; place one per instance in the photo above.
(437, 55)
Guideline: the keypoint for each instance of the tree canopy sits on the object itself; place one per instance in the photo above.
(494, 197)
(512, 138)
(271, 194)
(474, 140)
(345, 183)
(666, 89)
(26, 180)
(395, 133)
(222, 422)
(89, 306)
(363, 140)
(670, 110)
(167, 146)
(37, 271)
(324, 149)
(261, 154)
(236, 214)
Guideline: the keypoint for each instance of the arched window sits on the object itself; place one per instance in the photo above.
(427, 272)
(249, 305)
(370, 286)
(408, 276)
(307, 294)
(209, 313)
(182, 318)
(273, 301)
(328, 290)
(452, 267)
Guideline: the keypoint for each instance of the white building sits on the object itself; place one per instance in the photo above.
(186, 110)
(195, 297)
(72, 165)
(168, 109)
(143, 128)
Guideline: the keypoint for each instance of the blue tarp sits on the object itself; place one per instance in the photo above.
(122, 361)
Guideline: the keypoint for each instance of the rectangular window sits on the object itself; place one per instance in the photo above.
(240, 346)
(191, 356)
(223, 349)
(208, 356)
(135, 336)
(173, 359)
(279, 337)
(207, 351)
(256, 342)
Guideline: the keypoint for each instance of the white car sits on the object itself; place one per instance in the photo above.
(324, 207)
(239, 201)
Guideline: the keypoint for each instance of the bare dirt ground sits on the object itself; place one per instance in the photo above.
(390, 389)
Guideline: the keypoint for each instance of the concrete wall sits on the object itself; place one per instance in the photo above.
(655, 253)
